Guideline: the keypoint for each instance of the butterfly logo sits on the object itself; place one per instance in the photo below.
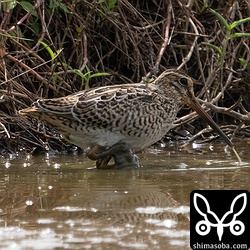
(203, 227)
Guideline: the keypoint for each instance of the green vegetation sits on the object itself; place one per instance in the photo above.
(229, 27)
(57, 47)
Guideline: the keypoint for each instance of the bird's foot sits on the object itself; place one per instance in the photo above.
(123, 156)
(121, 153)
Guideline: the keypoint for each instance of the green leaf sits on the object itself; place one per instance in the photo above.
(15, 37)
(99, 74)
(101, 1)
(243, 62)
(54, 77)
(214, 47)
(51, 4)
(51, 53)
(28, 7)
(78, 29)
(36, 27)
(237, 35)
(221, 19)
(65, 65)
(78, 72)
(8, 4)
(112, 4)
(204, 7)
(239, 22)
(64, 8)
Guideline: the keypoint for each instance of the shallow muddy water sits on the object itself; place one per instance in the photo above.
(62, 202)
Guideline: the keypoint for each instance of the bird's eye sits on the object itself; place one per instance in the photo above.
(183, 81)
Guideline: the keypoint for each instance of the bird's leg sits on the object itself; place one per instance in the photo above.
(102, 163)
(121, 152)
(94, 152)
(98, 154)
(124, 156)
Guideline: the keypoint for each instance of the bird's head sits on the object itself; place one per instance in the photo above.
(181, 86)
(176, 84)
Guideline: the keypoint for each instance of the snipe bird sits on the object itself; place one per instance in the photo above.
(115, 121)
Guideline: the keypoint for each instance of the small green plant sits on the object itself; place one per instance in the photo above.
(107, 5)
(244, 63)
(84, 76)
(59, 4)
(230, 34)
(88, 75)
(50, 51)
(8, 4)
(11, 4)
(28, 7)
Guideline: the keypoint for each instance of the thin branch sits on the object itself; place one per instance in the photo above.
(228, 111)
(188, 56)
(166, 39)
(5, 130)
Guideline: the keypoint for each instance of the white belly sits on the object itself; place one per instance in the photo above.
(107, 138)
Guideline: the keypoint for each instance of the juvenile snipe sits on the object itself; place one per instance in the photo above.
(115, 121)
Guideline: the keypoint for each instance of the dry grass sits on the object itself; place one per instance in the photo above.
(129, 40)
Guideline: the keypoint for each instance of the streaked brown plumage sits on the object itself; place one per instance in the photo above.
(136, 114)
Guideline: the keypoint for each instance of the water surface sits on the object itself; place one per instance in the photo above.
(62, 202)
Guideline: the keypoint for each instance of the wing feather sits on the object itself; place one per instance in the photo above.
(129, 108)
(117, 107)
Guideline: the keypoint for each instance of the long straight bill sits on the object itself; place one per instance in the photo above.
(197, 107)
